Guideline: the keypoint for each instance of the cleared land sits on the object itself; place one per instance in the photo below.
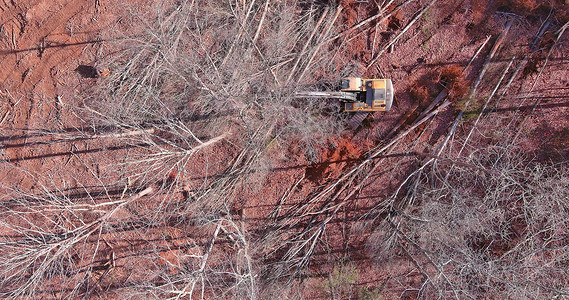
(156, 150)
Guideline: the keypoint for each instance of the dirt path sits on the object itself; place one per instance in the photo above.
(41, 44)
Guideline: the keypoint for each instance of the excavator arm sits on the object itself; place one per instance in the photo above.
(361, 95)
(339, 95)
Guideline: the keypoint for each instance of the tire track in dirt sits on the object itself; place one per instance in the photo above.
(9, 11)
(14, 64)
(32, 38)
(28, 65)
(13, 20)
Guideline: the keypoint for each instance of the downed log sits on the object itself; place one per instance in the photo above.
(394, 40)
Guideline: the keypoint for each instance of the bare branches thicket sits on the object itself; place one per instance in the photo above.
(186, 78)
(57, 244)
(494, 225)
(198, 71)
(191, 77)
(51, 240)
(207, 271)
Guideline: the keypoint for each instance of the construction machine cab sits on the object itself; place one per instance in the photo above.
(351, 84)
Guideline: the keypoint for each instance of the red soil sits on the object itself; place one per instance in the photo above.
(43, 42)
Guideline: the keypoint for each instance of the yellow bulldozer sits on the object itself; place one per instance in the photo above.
(361, 95)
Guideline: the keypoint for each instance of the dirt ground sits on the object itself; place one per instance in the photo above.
(47, 49)
(43, 42)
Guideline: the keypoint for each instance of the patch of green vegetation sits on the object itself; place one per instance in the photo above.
(427, 15)
(366, 294)
(425, 43)
(167, 236)
(428, 28)
(272, 143)
(341, 281)
(342, 284)
(473, 110)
